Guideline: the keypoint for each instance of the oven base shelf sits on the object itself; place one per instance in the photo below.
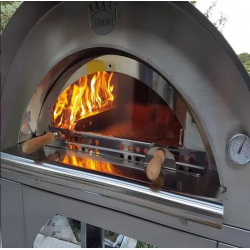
(202, 210)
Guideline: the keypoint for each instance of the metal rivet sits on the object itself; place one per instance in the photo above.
(184, 221)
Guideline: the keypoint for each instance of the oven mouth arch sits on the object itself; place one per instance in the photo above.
(124, 65)
(70, 70)
(87, 54)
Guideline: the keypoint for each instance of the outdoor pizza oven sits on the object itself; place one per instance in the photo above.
(103, 86)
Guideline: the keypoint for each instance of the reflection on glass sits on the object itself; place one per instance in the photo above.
(91, 164)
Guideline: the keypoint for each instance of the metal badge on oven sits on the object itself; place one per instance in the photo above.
(102, 17)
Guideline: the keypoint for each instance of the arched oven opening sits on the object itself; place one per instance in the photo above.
(111, 111)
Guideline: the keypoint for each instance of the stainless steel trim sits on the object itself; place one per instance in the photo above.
(223, 245)
(35, 101)
(128, 161)
(101, 148)
(199, 209)
(112, 145)
(165, 164)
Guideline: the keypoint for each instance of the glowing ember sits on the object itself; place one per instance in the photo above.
(83, 98)
(103, 167)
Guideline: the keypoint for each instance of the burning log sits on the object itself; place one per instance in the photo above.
(98, 121)
(83, 98)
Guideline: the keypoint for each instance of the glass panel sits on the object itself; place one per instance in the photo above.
(117, 105)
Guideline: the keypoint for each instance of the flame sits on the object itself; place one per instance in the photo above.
(82, 99)
(90, 164)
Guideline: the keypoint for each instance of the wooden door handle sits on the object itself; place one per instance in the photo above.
(154, 166)
(34, 144)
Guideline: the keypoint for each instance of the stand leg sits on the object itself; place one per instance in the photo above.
(12, 215)
(83, 235)
(95, 237)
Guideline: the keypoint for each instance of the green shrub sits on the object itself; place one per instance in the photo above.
(8, 8)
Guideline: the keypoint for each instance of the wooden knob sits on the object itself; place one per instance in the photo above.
(34, 144)
(154, 166)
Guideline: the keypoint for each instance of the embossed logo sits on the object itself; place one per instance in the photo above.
(103, 17)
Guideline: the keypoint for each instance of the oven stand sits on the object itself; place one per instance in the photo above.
(20, 228)
(25, 209)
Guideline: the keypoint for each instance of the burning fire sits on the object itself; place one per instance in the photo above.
(90, 164)
(83, 98)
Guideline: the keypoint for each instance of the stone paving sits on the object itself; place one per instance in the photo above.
(57, 232)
